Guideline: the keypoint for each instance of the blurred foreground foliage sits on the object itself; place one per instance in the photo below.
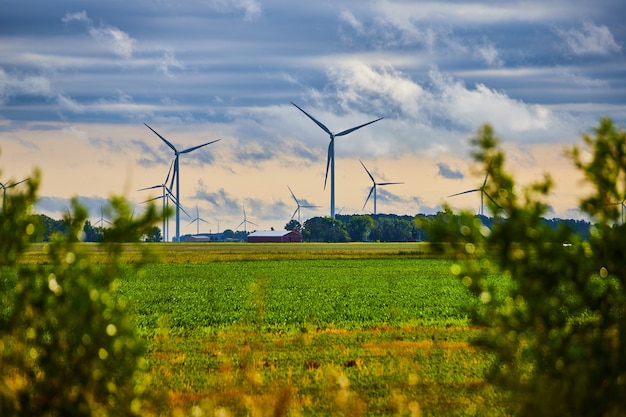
(560, 334)
(66, 346)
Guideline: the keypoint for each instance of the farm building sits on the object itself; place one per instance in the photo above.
(276, 236)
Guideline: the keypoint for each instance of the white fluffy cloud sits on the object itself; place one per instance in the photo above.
(11, 85)
(441, 98)
(590, 39)
(114, 39)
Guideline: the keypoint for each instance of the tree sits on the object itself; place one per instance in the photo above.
(558, 332)
(390, 229)
(359, 227)
(154, 235)
(325, 229)
(293, 225)
(91, 233)
(66, 346)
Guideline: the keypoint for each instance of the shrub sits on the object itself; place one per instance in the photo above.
(66, 346)
(559, 334)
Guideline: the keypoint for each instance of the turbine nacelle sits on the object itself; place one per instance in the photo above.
(374, 186)
(176, 173)
(330, 161)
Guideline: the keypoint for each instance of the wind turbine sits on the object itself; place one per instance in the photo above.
(166, 195)
(4, 190)
(177, 154)
(300, 206)
(482, 194)
(245, 221)
(102, 220)
(330, 161)
(376, 184)
(198, 220)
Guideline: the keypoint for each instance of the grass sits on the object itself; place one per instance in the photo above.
(307, 329)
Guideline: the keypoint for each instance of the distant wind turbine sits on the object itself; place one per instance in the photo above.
(482, 194)
(198, 220)
(102, 220)
(300, 206)
(376, 184)
(4, 190)
(245, 221)
(177, 154)
(166, 195)
(330, 161)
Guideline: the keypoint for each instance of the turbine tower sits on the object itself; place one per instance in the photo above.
(300, 206)
(376, 184)
(482, 194)
(245, 221)
(198, 220)
(330, 161)
(177, 154)
(4, 190)
(166, 195)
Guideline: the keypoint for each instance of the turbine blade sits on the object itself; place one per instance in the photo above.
(169, 172)
(465, 192)
(294, 213)
(368, 172)
(317, 122)
(328, 162)
(150, 188)
(15, 183)
(345, 132)
(174, 173)
(369, 195)
(163, 139)
(492, 200)
(151, 199)
(485, 182)
(389, 183)
(292, 194)
(173, 199)
(199, 146)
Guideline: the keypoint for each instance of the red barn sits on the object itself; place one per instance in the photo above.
(274, 236)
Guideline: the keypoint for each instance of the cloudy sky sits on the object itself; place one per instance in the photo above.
(78, 80)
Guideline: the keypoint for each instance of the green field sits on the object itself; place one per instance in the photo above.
(307, 329)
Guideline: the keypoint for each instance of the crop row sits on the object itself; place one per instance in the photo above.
(349, 294)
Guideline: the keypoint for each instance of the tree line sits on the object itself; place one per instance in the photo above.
(344, 228)
(397, 228)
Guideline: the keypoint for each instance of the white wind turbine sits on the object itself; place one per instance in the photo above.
(245, 221)
(330, 161)
(102, 220)
(177, 154)
(198, 220)
(300, 206)
(482, 194)
(166, 195)
(376, 184)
